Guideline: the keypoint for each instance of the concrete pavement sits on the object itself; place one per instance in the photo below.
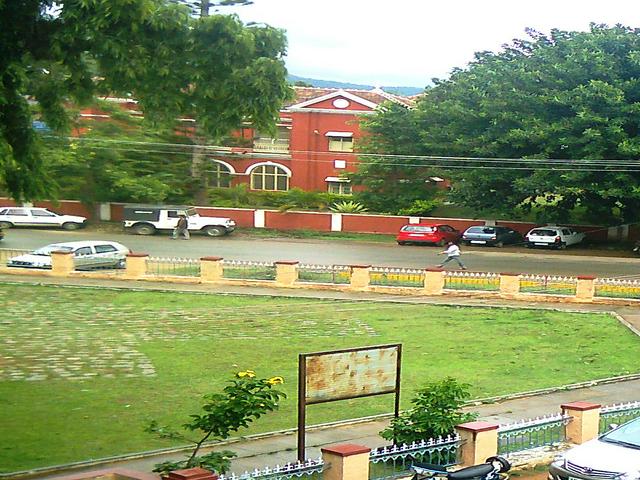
(280, 448)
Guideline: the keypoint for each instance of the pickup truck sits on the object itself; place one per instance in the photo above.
(147, 220)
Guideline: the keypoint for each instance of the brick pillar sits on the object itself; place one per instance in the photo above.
(195, 473)
(585, 289)
(286, 273)
(346, 462)
(360, 276)
(433, 281)
(479, 440)
(211, 269)
(136, 265)
(62, 263)
(585, 421)
(509, 283)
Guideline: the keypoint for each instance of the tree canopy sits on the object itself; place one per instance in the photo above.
(213, 68)
(548, 123)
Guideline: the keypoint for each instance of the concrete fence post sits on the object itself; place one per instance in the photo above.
(136, 265)
(360, 276)
(195, 473)
(509, 284)
(479, 441)
(286, 273)
(433, 281)
(585, 288)
(211, 269)
(584, 423)
(346, 462)
(62, 263)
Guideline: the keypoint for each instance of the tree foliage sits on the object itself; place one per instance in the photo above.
(560, 103)
(435, 412)
(214, 68)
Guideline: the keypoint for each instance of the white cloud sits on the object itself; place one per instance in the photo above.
(407, 42)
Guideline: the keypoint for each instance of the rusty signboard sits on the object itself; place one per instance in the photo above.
(344, 374)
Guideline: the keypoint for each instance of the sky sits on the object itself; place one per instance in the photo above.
(409, 42)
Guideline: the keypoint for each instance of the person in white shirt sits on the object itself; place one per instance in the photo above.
(453, 254)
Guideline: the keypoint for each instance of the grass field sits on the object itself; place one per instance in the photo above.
(83, 370)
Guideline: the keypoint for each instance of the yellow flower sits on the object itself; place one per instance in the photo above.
(275, 380)
(246, 373)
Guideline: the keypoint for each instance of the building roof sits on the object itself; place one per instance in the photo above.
(377, 96)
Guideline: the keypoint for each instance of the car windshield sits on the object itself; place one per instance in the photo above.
(543, 233)
(627, 435)
(418, 229)
(481, 230)
(46, 251)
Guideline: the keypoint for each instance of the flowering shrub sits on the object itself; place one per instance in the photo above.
(244, 399)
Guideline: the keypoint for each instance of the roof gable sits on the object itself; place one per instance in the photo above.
(330, 100)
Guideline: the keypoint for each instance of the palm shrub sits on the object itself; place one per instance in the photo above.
(348, 207)
(435, 412)
(244, 399)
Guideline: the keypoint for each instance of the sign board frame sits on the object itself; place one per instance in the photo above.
(353, 360)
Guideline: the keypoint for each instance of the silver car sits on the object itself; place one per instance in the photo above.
(87, 255)
(613, 455)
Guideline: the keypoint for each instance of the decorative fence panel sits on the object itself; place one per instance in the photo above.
(181, 267)
(548, 284)
(311, 469)
(396, 277)
(337, 274)
(618, 414)
(532, 433)
(617, 288)
(7, 253)
(247, 270)
(396, 460)
(487, 281)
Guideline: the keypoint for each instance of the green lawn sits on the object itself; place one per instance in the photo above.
(83, 370)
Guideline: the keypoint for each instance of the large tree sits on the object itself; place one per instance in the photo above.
(550, 123)
(213, 68)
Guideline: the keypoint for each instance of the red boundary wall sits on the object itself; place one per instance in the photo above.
(321, 221)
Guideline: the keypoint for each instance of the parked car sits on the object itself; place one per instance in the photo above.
(490, 235)
(436, 233)
(147, 220)
(613, 455)
(38, 217)
(553, 236)
(87, 255)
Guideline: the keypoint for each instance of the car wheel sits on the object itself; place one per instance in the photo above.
(562, 246)
(441, 243)
(500, 244)
(71, 226)
(214, 231)
(6, 224)
(402, 243)
(144, 229)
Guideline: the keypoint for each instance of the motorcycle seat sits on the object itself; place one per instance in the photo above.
(475, 471)
(431, 467)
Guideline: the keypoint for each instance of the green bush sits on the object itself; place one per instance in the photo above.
(436, 411)
(348, 207)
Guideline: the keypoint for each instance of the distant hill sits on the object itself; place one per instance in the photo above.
(406, 91)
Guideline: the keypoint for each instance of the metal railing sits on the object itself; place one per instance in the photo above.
(396, 277)
(533, 433)
(169, 266)
(548, 284)
(247, 270)
(618, 413)
(396, 460)
(488, 281)
(337, 274)
(311, 469)
(617, 288)
(271, 145)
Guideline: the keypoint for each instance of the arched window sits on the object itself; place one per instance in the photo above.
(269, 177)
(219, 175)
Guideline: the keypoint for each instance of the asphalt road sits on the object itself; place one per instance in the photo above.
(242, 247)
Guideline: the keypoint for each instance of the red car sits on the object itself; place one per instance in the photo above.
(437, 233)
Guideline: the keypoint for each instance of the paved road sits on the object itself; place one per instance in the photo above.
(241, 247)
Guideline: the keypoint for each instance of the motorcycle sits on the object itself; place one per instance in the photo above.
(494, 468)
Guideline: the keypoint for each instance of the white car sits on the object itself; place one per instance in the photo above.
(149, 219)
(87, 255)
(553, 236)
(38, 217)
(613, 455)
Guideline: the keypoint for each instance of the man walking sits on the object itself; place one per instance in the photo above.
(182, 228)
(453, 254)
